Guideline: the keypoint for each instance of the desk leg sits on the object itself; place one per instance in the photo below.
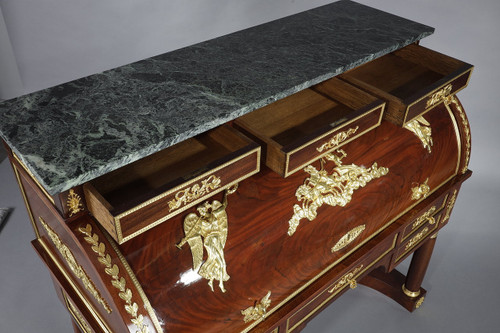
(406, 290)
(418, 268)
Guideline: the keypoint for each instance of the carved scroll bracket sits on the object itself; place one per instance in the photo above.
(208, 229)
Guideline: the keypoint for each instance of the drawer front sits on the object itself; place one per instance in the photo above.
(175, 201)
(300, 157)
(419, 236)
(438, 95)
(346, 280)
(139, 196)
(412, 80)
(427, 217)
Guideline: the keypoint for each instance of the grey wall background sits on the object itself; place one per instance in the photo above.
(47, 42)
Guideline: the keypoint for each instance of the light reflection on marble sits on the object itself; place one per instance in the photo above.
(72, 133)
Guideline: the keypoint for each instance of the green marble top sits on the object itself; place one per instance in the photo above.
(69, 134)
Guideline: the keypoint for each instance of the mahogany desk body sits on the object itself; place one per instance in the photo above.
(258, 224)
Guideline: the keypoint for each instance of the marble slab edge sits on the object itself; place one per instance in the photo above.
(56, 180)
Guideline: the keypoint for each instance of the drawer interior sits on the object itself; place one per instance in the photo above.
(292, 128)
(406, 71)
(299, 115)
(412, 80)
(303, 114)
(154, 174)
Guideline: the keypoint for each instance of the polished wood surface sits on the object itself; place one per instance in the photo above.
(258, 214)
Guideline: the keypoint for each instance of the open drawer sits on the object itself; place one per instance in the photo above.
(412, 80)
(300, 129)
(141, 195)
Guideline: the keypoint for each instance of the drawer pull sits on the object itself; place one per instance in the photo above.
(259, 310)
(335, 189)
(416, 238)
(422, 129)
(349, 278)
(420, 191)
(439, 96)
(425, 217)
(337, 139)
(190, 194)
(210, 225)
(349, 238)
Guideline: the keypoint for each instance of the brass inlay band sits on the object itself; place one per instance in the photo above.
(78, 317)
(439, 96)
(337, 139)
(335, 189)
(209, 231)
(349, 237)
(412, 242)
(422, 129)
(34, 179)
(427, 216)
(466, 127)
(419, 302)
(116, 280)
(259, 310)
(74, 203)
(74, 266)
(449, 207)
(349, 278)
(195, 192)
(410, 293)
(420, 191)
(434, 236)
